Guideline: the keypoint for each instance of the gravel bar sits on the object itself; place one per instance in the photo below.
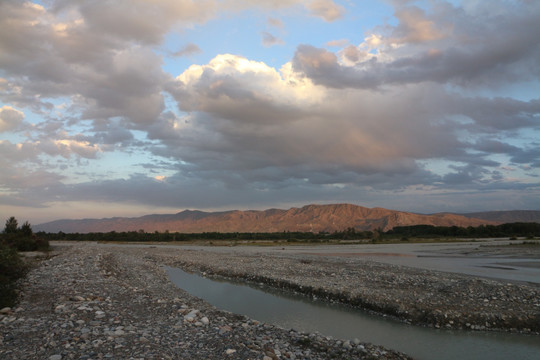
(99, 302)
(416, 296)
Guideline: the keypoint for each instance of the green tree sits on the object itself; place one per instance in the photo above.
(26, 229)
(11, 225)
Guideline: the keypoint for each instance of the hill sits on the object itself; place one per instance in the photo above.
(310, 218)
(507, 216)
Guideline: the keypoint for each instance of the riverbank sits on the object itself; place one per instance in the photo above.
(416, 296)
(96, 302)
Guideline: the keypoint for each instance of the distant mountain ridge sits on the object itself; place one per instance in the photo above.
(309, 218)
(507, 216)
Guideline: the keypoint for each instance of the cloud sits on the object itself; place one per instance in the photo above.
(337, 43)
(274, 22)
(415, 27)
(138, 20)
(10, 118)
(270, 40)
(189, 49)
(464, 53)
(326, 9)
(82, 148)
(406, 109)
(239, 104)
(104, 76)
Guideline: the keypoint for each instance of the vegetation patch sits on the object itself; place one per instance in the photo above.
(13, 240)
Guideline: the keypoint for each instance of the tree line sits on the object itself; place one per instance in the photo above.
(518, 229)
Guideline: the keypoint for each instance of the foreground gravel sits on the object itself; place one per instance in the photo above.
(95, 302)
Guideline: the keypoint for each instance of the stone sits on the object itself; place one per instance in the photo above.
(55, 357)
(224, 329)
(230, 351)
(191, 316)
(5, 310)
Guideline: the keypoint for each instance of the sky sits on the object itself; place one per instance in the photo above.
(126, 108)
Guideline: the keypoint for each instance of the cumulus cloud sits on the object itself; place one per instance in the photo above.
(10, 118)
(463, 52)
(239, 104)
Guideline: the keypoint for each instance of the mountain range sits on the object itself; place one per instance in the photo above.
(309, 218)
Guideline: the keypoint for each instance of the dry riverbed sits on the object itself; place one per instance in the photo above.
(93, 302)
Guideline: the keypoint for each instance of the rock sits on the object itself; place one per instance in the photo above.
(230, 351)
(55, 357)
(5, 310)
(224, 329)
(191, 316)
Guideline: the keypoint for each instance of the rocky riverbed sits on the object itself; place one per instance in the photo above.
(416, 296)
(95, 302)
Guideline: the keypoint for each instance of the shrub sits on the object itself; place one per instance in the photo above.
(12, 268)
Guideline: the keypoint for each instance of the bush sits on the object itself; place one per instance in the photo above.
(12, 268)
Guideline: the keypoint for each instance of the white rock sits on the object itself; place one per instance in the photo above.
(5, 310)
(191, 315)
(205, 320)
(230, 351)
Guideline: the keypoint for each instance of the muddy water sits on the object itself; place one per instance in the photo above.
(304, 314)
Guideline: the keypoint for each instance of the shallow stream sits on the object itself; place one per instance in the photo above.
(295, 311)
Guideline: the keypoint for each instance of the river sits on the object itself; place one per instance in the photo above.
(295, 311)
